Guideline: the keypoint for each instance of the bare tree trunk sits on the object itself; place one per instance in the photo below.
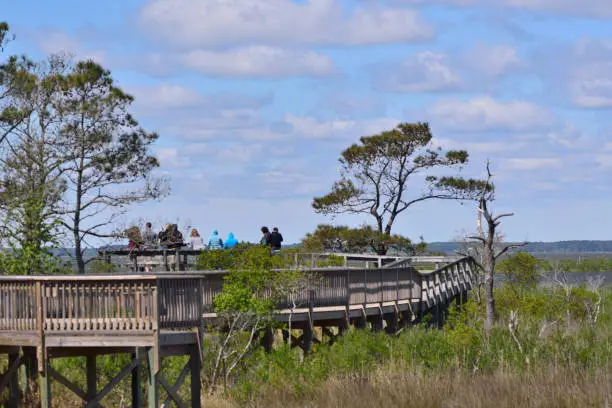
(289, 323)
(489, 301)
(78, 252)
(489, 282)
(487, 240)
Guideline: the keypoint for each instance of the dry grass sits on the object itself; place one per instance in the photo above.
(390, 388)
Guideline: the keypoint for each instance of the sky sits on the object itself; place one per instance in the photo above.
(254, 100)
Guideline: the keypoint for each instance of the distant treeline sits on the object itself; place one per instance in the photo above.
(541, 247)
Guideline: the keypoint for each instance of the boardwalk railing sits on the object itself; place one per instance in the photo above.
(185, 259)
(106, 305)
(123, 304)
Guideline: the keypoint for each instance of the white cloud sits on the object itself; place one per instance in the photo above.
(591, 86)
(492, 60)
(532, 163)
(604, 161)
(259, 61)
(52, 41)
(546, 186)
(588, 72)
(206, 23)
(587, 8)
(165, 96)
(426, 71)
(171, 157)
(484, 113)
(479, 147)
(311, 128)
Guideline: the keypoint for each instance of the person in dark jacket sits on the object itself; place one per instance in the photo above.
(275, 239)
(173, 237)
(265, 238)
(134, 237)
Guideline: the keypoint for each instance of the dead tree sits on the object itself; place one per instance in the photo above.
(486, 247)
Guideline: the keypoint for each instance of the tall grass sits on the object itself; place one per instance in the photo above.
(547, 363)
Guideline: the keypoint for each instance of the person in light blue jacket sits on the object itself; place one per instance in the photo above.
(230, 242)
(214, 240)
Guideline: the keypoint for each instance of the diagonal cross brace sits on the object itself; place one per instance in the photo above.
(126, 370)
(6, 377)
(173, 390)
(66, 383)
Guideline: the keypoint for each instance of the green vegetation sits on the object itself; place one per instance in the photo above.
(538, 345)
(329, 238)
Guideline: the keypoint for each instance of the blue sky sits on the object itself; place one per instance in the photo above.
(255, 99)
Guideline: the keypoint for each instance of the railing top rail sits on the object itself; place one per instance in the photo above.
(463, 259)
(148, 251)
(100, 277)
(181, 275)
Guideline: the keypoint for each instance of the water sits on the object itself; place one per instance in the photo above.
(578, 278)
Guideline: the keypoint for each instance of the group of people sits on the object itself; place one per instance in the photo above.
(214, 240)
(272, 239)
(171, 237)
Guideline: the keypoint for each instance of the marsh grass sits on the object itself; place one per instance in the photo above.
(391, 386)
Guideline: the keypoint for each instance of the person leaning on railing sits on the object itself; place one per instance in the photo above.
(149, 236)
(171, 237)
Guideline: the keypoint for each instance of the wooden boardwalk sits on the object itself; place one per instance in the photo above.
(156, 316)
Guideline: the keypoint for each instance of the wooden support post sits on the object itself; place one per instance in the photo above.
(437, 315)
(31, 370)
(344, 323)
(307, 337)
(309, 328)
(392, 322)
(44, 379)
(13, 386)
(268, 340)
(153, 380)
(92, 386)
(196, 384)
(362, 321)
(377, 322)
(136, 394)
(177, 260)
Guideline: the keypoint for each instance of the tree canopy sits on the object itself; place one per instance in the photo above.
(108, 162)
(376, 175)
(329, 238)
(72, 156)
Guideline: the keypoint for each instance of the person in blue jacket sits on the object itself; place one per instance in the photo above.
(214, 240)
(231, 241)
